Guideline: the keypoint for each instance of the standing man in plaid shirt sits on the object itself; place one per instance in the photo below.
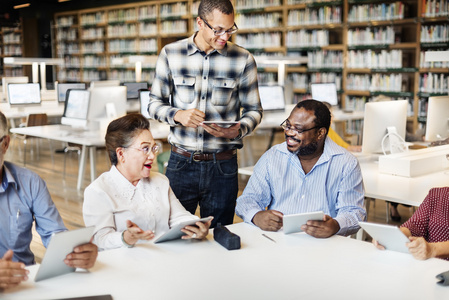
(206, 78)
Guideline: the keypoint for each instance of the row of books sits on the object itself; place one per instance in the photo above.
(428, 64)
(92, 33)
(13, 72)
(266, 77)
(93, 61)
(69, 75)
(259, 40)
(353, 103)
(126, 46)
(67, 35)
(434, 83)
(93, 47)
(170, 27)
(68, 48)
(315, 16)
(376, 12)
(12, 50)
(93, 18)
(172, 10)
(122, 30)
(375, 82)
(72, 61)
(354, 127)
(374, 59)
(371, 36)
(307, 38)
(325, 59)
(65, 21)
(252, 4)
(302, 81)
(147, 12)
(266, 20)
(122, 15)
(147, 29)
(129, 76)
(434, 33)
(435, 8)
(11, 38)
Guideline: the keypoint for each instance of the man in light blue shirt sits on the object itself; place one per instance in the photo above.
(24, 198)
(306, 173)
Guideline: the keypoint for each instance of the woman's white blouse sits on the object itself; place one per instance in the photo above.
(111, 200)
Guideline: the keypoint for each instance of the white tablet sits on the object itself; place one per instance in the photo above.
(61, 244)
(176, 233)
(224, 124)
(293, 223)
(391, 237)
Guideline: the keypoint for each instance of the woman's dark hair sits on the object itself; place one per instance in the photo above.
(206, 7)
(321, 112)
(122, 131)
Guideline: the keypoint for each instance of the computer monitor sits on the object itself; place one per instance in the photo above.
(272, 97)
(132, 89)
(8, 80)
(24, 93)
(63, 87)
(325, 92)
(437, 125)
(102, 83)
(382, 118)
(76, 108)
(107, 103)
(144, 99)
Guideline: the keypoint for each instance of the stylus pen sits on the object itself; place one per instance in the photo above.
(263, 234)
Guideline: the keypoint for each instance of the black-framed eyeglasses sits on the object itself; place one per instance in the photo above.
(146, 150)
(220, 32)
(297, 131)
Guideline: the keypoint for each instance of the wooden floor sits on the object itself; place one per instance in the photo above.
(68, 200)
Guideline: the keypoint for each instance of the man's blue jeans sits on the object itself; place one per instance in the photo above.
(212, 184)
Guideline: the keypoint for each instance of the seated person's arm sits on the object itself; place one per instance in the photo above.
(11, 273)
(270, 220)
(421, 249)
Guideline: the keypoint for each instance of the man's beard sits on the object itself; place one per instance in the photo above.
(309, 149)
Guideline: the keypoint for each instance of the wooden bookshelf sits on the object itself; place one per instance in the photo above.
(11, 45)
(360, 44)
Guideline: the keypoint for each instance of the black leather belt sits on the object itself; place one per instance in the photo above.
(200, 156)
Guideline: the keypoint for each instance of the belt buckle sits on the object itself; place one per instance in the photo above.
(193, 156)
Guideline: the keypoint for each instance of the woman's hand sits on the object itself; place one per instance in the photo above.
(199, 231)
(133, 233)
(378, 246)
(420, 248)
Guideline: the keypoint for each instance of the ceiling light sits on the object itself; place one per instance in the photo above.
(22, 5)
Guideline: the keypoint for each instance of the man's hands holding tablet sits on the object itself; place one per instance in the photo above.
(222, 129)
(321, 229)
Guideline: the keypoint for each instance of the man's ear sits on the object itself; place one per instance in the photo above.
(322, 133)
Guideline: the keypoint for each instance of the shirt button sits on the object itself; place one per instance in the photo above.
(204, 77)
(225, 84)
(200, 135)
(205, 58)
(203, 98)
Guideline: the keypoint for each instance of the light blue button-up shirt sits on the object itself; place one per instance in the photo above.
(334, 186)
(24, 198)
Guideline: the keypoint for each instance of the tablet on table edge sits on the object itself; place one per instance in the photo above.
(175, 232)
(292, 223)
(61, 244)
(389, 236)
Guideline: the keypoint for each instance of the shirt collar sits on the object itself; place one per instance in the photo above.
(192, 48)
(7, 179)
(122, 185)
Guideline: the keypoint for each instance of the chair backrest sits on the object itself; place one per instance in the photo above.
(37, 120)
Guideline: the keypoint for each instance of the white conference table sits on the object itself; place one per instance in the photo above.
(296, 266)
(90, 140)
(398, 189)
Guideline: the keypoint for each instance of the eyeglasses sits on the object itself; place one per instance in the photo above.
(146, 150)
(220, 32)
(297, 131)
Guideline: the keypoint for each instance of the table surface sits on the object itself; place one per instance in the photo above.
(398, 189)
(295, 266)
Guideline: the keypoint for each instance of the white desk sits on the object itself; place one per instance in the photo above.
(297, 266)
(51, 108)
(398, 189)
(89, 140)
